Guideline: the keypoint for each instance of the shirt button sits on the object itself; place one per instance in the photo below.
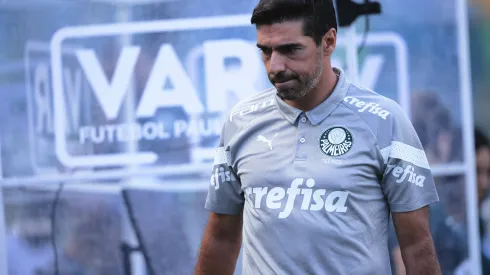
(302, 140)
(303, 119)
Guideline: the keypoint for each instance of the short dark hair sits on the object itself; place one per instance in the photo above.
(318, 16)
(437, 121)
(430, 117)
(481, 140)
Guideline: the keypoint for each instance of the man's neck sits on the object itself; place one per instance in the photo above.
(320, 93)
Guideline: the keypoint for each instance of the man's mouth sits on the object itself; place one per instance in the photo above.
(283, 82)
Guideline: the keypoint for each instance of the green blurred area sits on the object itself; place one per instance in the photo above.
(480, 60)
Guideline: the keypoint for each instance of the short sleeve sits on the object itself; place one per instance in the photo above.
(225, 195)
(407, 181)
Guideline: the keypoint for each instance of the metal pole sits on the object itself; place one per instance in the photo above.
(468, 134)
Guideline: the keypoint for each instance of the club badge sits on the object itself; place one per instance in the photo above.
(336, 141)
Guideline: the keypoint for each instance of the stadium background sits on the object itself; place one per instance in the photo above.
(419, 55)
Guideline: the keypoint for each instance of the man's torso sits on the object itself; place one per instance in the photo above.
(316, 188)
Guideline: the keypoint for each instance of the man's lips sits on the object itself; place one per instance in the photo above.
(284, 83)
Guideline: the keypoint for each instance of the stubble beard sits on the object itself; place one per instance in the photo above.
(311, 82)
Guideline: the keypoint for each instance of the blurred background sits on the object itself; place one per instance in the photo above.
(110, 112)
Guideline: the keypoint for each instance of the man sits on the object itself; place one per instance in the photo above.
(482, 153)
(482, 147)
(311, 168)
(434, 126)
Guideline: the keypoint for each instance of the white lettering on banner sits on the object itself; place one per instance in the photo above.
(73, 82)
(157, 130)
(167, 68)
(232, 69)
(42, 99)
(109, 94)
(110, 91)
(312, 199)
(370, 71)
(221, 79)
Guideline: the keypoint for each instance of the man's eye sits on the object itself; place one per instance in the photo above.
(292, 50)
(266, 51)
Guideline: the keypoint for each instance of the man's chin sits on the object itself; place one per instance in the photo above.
(289, 95)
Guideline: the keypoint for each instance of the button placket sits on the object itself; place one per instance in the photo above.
(301, 138)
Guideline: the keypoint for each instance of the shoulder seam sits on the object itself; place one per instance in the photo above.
(241, 104)
(232, 140)
(364, 121)
(247, 100)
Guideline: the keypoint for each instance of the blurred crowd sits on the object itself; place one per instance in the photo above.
(87, 236)
(443, 144)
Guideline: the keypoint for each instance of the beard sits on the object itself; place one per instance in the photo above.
(303, 85)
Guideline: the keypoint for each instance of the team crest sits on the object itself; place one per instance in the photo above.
(336, 141)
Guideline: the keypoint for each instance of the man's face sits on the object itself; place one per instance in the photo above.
(293, 61)
(483, 171)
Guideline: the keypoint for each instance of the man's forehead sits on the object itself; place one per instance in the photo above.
(288, 32)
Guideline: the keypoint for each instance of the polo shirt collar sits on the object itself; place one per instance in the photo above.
(324, 109)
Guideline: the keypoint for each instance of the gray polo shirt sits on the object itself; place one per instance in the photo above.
(316, 188)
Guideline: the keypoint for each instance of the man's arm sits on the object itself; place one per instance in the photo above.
(220, 245)
(416, 244)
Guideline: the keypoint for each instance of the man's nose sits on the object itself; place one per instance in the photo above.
(276, 63)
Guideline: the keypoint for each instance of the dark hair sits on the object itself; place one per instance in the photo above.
(481, 140)
(318, 16)
(430, 117)
(437, 121)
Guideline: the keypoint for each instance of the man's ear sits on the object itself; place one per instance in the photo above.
(329, 42)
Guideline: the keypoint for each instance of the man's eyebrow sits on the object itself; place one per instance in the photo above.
(281, 46)
(262, 46)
